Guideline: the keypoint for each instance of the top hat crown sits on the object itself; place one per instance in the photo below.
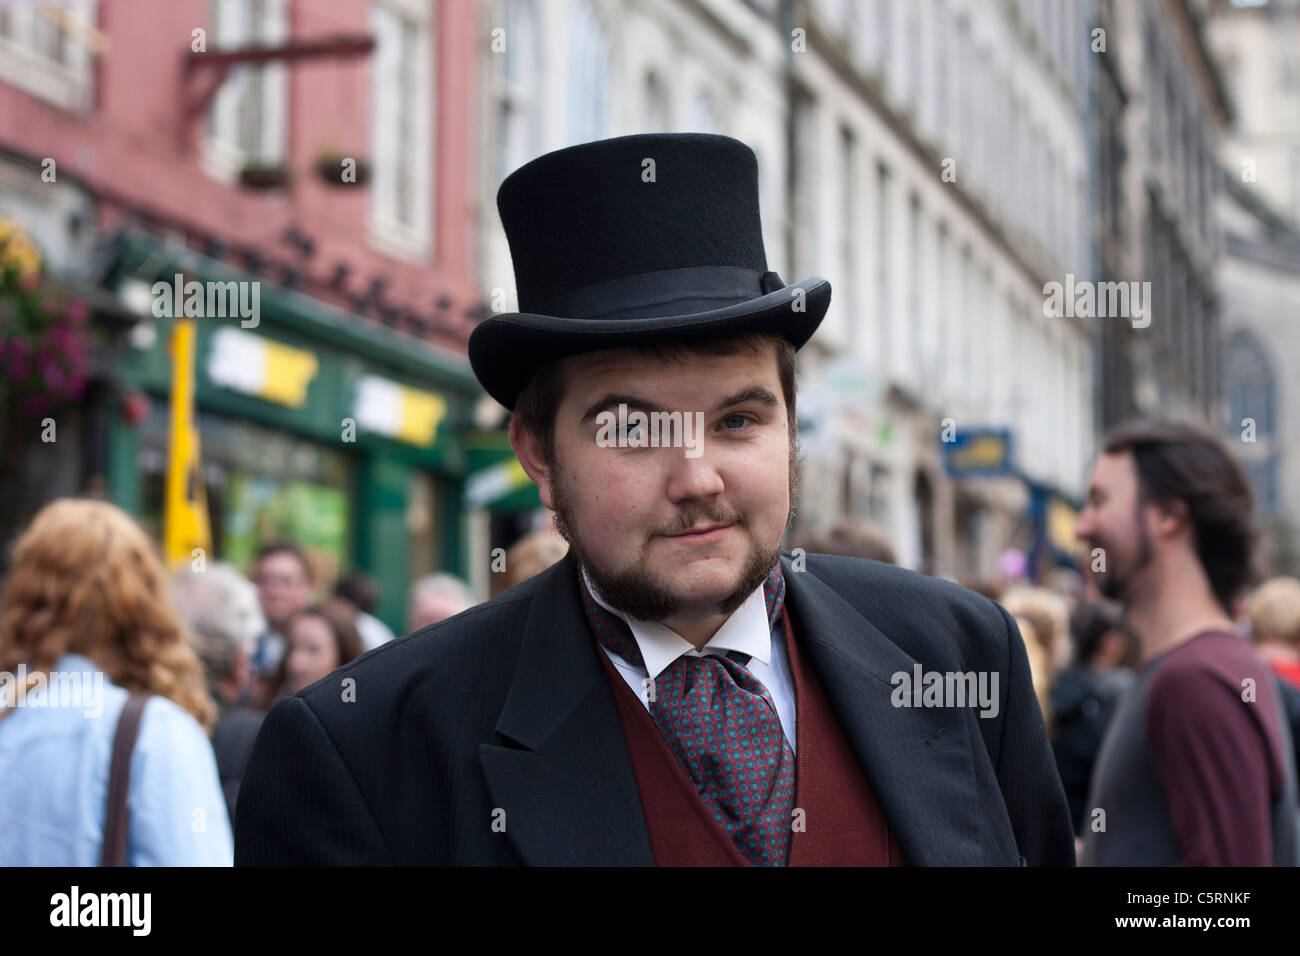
(633, 240)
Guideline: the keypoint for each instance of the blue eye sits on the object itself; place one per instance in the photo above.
(742, 418)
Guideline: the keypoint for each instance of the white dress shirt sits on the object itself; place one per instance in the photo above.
(746, 630)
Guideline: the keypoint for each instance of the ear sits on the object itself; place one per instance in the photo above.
(529, 452)
(1170, 517)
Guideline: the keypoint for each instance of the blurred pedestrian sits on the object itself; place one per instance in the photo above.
(322, 638)
(437, 597)
(1038, 668)
(1050, 614)
(1085, 695)
(1048, 617)
(361, 592)
(285, 585)
(530, 555)
(222, 609)
(1274, 614)
(1195, 767)
(851, 539)
(88, 621)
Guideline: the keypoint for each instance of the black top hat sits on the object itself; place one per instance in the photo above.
(631, 241)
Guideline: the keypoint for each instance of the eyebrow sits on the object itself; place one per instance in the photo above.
(751, 393)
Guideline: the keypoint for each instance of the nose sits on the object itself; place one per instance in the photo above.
(689, 477)
(1083, 525)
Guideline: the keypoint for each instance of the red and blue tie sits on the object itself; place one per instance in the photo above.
(721, 725)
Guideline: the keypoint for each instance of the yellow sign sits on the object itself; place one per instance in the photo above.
(185, 504)
(983, 451)
(254, 365)
(1060, 526)
(421, 413)
(398, 411)
(288, 373)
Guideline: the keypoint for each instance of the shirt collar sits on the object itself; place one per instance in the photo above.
(746, 630)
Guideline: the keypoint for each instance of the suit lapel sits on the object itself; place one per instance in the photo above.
(568, 790)
(917, 759)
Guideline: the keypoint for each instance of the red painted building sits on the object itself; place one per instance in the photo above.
(324, 150)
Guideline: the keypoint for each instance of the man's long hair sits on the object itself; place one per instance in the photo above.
(1179, 461)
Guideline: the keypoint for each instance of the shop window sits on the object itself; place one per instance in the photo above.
(261, 485)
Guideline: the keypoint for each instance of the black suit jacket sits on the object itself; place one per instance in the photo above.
(492, 738)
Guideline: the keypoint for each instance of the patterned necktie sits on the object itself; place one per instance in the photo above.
(722, 727)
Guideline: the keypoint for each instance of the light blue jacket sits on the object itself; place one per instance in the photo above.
(55, 750)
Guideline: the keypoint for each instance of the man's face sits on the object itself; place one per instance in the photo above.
(282, 587)
(624, 510)
(1115, 520)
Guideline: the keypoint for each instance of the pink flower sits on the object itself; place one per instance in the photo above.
(54, 378)
(78, 311)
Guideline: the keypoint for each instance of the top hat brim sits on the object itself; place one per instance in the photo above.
(506, 350)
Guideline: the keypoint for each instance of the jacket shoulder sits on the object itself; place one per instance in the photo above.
(914, 607)
(444, 661)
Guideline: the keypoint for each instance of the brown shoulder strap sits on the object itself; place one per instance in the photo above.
(113, 849)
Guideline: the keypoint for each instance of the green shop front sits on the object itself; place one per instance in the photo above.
(315, 425)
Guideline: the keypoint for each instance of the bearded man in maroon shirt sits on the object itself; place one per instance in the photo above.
(1196, 768)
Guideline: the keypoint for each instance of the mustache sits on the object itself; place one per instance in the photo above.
(688, 523)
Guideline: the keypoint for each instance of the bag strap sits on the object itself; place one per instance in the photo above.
(113, 849)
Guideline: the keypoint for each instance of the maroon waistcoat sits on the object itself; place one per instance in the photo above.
(841, 823)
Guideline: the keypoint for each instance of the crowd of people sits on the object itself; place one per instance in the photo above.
(90, 617)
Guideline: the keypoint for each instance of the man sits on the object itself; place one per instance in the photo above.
(361, 593)
(1195, 766)
(436, 597)
(1084, 698)
(221, 608)
(676, 690)
(1274, 615)
(284, 587)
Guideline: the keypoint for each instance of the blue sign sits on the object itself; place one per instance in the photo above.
(977, 452)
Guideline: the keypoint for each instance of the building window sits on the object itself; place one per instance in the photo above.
(1251, 393)
(248, 116)
(943, 319)
(401, 133)
(848, 265)
(656, 106)
(704, 116)
(519, 115)
(589, 79)
(915, 315)
(939, 37)
(45, 49)
(803, 157)
(884, 266)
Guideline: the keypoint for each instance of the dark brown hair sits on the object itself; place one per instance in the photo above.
(541, 397)
(272, 548)
(342, 624)
(1189, 463)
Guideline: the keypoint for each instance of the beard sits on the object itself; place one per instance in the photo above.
(1117, 583)
(640, 593)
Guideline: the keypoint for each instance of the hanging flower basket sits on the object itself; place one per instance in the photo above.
(44, 338)
(264, 176)
(340, 169)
